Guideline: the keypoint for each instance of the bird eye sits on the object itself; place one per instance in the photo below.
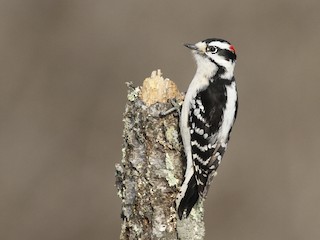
(212, 49)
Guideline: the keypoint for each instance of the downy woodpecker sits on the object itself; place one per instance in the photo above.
(207, 116)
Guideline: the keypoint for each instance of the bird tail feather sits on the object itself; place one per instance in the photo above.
(189, 199)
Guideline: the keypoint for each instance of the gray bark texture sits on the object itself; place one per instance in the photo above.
(151, 169)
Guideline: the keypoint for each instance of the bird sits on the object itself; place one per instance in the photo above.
(206, 119)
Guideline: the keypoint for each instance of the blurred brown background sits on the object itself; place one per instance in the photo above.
(62, 93)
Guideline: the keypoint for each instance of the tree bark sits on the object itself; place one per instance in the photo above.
(152, 166)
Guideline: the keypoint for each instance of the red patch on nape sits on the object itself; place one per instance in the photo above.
(232, 48)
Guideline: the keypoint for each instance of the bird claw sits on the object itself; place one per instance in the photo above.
(176, 108)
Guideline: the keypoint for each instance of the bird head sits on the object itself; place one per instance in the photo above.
(215, 52)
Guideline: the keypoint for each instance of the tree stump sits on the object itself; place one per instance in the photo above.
(152, 166)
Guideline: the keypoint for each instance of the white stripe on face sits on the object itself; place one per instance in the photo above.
(221, 45)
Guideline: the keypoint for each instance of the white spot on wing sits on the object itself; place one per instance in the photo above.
(201, 148)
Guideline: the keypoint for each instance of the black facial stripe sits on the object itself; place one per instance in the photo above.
(227, 54)
(221, 69)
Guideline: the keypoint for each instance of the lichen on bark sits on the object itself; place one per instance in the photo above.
(151, 169)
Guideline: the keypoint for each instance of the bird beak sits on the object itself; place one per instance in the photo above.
(199, 47)
(191, 46)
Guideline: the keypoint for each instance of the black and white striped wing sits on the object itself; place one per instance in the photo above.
(206, 153)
